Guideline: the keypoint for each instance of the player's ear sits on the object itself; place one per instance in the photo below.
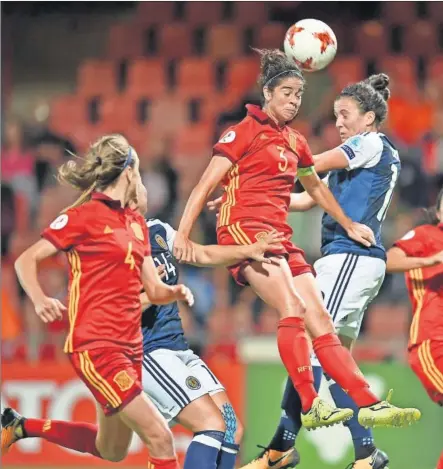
(369, 118)
(267, 94)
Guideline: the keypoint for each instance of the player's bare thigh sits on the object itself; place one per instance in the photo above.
(113, 437)
(144, 418)
(202, 414)
(273, 284)
(221, 400)
(317, 320)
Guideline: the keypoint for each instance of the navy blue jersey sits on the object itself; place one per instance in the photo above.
(364, 191)
(161, 324)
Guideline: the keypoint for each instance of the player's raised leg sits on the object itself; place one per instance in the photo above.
(273, 283)
(233, 432)
(337, 362)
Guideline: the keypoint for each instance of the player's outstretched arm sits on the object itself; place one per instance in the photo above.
(301, 202)
(214, 255)
(324, 197)
(48, 309)
(399, 261)
(216, 170)
(329, 160)
(158, 292)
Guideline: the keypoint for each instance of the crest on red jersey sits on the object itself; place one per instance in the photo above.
(123, 380)
(261, 235)
(137, 229)
(293, 142)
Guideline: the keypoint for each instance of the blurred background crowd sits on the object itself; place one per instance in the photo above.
(171, 76)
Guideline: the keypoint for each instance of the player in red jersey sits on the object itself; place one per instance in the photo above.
(258, 160)
(107, 245)
(420, 255)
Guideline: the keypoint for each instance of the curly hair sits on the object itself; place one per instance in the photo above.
(274, 67)
(371, 94)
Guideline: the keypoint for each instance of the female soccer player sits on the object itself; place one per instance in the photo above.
(258, 160)
(108, 249)
(178, 382)
(420, 255)
(363, 173)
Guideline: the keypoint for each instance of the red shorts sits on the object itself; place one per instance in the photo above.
(249, 232)
(426, 361)
(112, 375)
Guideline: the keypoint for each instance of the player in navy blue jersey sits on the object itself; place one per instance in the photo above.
(363, 172)
(178, 381)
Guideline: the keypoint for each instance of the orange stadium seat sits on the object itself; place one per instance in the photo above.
(387, 321)
(398, 12)
(370, 39)
(66, 112)
(207, 13)
(175, 41)
(194, 140)
(117, 113)
(421, 39)
(270, 36)
(155, 12)
(97, 77)
(168, 114)
(242, 75)
(146, 77)
(251, 13)
(125, 40)
(346, 69)
(435, 67)
(224, 41)
(399, 68)
(195, 77)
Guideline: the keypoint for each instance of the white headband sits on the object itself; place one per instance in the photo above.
(297, 72)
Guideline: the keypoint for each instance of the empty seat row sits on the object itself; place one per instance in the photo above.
(178, 40)
(144, 77)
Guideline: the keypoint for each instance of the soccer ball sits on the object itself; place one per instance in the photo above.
(311, 44)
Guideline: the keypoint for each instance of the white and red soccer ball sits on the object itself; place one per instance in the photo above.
(311, 44)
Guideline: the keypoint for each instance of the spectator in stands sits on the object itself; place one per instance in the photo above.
(18, 162)
(8, 217)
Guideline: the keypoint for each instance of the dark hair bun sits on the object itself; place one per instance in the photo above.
(380, 83)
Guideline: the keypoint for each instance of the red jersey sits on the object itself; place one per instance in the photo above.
(425, 285)
(106, 245)
(265, 160)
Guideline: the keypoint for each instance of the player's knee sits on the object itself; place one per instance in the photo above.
(292, 306)
(160, 442)
(114, 453)
(215, 421)
(239, 432)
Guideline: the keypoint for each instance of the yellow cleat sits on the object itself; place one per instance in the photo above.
(273, 459)
(322, 414)
(384, 414)
(12, 429)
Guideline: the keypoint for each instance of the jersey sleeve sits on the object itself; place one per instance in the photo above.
(67, 230)
(362, 151)
(233, 144)
(148, 249)
(413, 243)
(306, 161)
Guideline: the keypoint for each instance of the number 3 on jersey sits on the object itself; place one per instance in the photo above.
(129, 257)
(283, 164)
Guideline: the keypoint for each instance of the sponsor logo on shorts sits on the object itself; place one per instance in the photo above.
(123, 380)
(193, 383)
(161, 242)
(261, 235)
(137, 229)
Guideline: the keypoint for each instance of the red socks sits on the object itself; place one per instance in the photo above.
(78, 436)
(293, 347)
(337, 362)
(440, 462)
(155, 463)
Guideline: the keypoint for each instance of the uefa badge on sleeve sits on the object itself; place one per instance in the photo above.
(228, 137)
(60, 222)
